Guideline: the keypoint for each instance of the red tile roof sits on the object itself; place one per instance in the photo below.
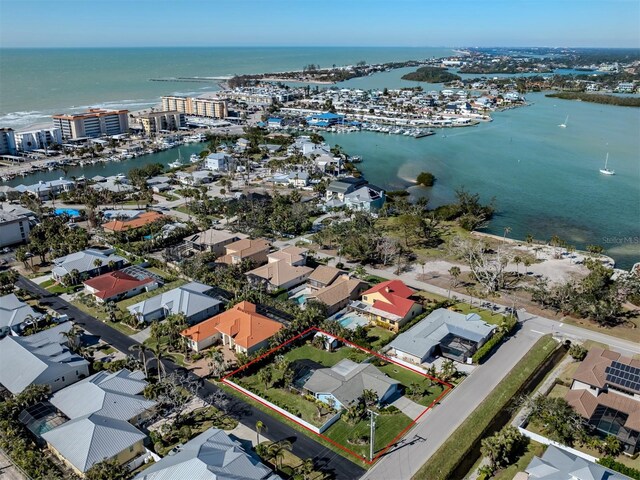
(396, 295)
(140, 221)
(113, 283)
(242, 323)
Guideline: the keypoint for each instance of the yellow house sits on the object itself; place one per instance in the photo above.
(388, 304)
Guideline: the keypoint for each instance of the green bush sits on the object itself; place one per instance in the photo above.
(426, 179)
(609, 462)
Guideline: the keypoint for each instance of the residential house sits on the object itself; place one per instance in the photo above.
(212, 455)
(367, 198)
(118, 285)
(285, 269)
(199, 177)
(141, 220)
(88, 263)
(298, 179)
(218, 162)
(13, 315)
(443, 332)
(41, 359)
(323, 276)
(558, 464)
(213, 240)
(240, 328)
(45, 190)
(246, 249)
(102, 411)
(339, 188)
(14, 229)
(337, 295)
(388, 304)
(605, 391)
(194, 300)
(343, 384)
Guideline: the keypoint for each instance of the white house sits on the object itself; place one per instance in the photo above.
(218, 162)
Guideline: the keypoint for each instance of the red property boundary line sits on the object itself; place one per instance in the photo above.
(447, 388)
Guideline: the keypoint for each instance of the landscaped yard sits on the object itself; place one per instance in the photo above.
(379, 336)
(451, 452)
(100, 314)
(407, 377)
(324, 357)
(388, 426)
(534, 449)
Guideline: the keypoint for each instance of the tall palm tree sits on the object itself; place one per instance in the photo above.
(276, 451)
(142, 350)
(159, 353)
(259, 427)
(216, 360)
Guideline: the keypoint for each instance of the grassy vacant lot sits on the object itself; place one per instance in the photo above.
(450, 454)
(387, 428)
(100, 314)
(289, 464)
(534, 449)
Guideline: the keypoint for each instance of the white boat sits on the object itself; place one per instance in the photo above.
(566, 121)
(605, 170)
(178, 163)
(194, 158)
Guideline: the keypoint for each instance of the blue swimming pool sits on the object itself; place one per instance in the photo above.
(352, 321)
(72, 212)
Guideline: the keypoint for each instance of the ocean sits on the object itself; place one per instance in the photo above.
(544, 179)
(37, 83)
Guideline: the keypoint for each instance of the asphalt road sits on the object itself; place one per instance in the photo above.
(303, 445)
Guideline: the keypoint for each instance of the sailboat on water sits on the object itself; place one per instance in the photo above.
(178, 163)
(566, 121)
(605, 170)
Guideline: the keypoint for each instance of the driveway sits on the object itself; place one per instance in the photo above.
(410, 408)
(142, 335)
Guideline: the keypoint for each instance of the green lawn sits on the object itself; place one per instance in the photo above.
(48, 283)
(379, 336)
(323, 357)
(486, 315)
(558, 391)
(143, 296)
(534, 449)
(101, 315)
(407, 377)
(292, 402)
(387, 428)
(60, 289)
(450, 454)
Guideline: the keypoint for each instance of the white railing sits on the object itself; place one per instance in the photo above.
(284, 412)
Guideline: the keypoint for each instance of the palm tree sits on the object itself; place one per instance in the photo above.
(159, 353)
(97, 263)
(517, 260)
(259, 427)
(216, 361)
(277, 449)
(306, 467)
(72, 338)
(142, 350)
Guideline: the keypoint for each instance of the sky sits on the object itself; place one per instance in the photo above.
(419, 23)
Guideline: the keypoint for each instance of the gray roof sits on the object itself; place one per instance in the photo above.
(346, 185)
(99, 408)
(13, 312)
(113, 395)
(189, 299)
(557, 464)
(40, 359)
(429, 332)
(212, 455)
(83, 261)
(88, 440)
(346, 381)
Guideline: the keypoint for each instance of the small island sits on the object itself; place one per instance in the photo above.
(426, 179)
(598, 98)
(431, 75)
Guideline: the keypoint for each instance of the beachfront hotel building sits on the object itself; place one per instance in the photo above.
(7, 141)
(200, 107)
(94, 123)
(158, 122)
(37, 139)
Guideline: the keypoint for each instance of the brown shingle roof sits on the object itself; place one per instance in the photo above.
(342, 289)
(247, 247)
(585, 403)
(279, 273)
(592, 369)
(324, 274)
